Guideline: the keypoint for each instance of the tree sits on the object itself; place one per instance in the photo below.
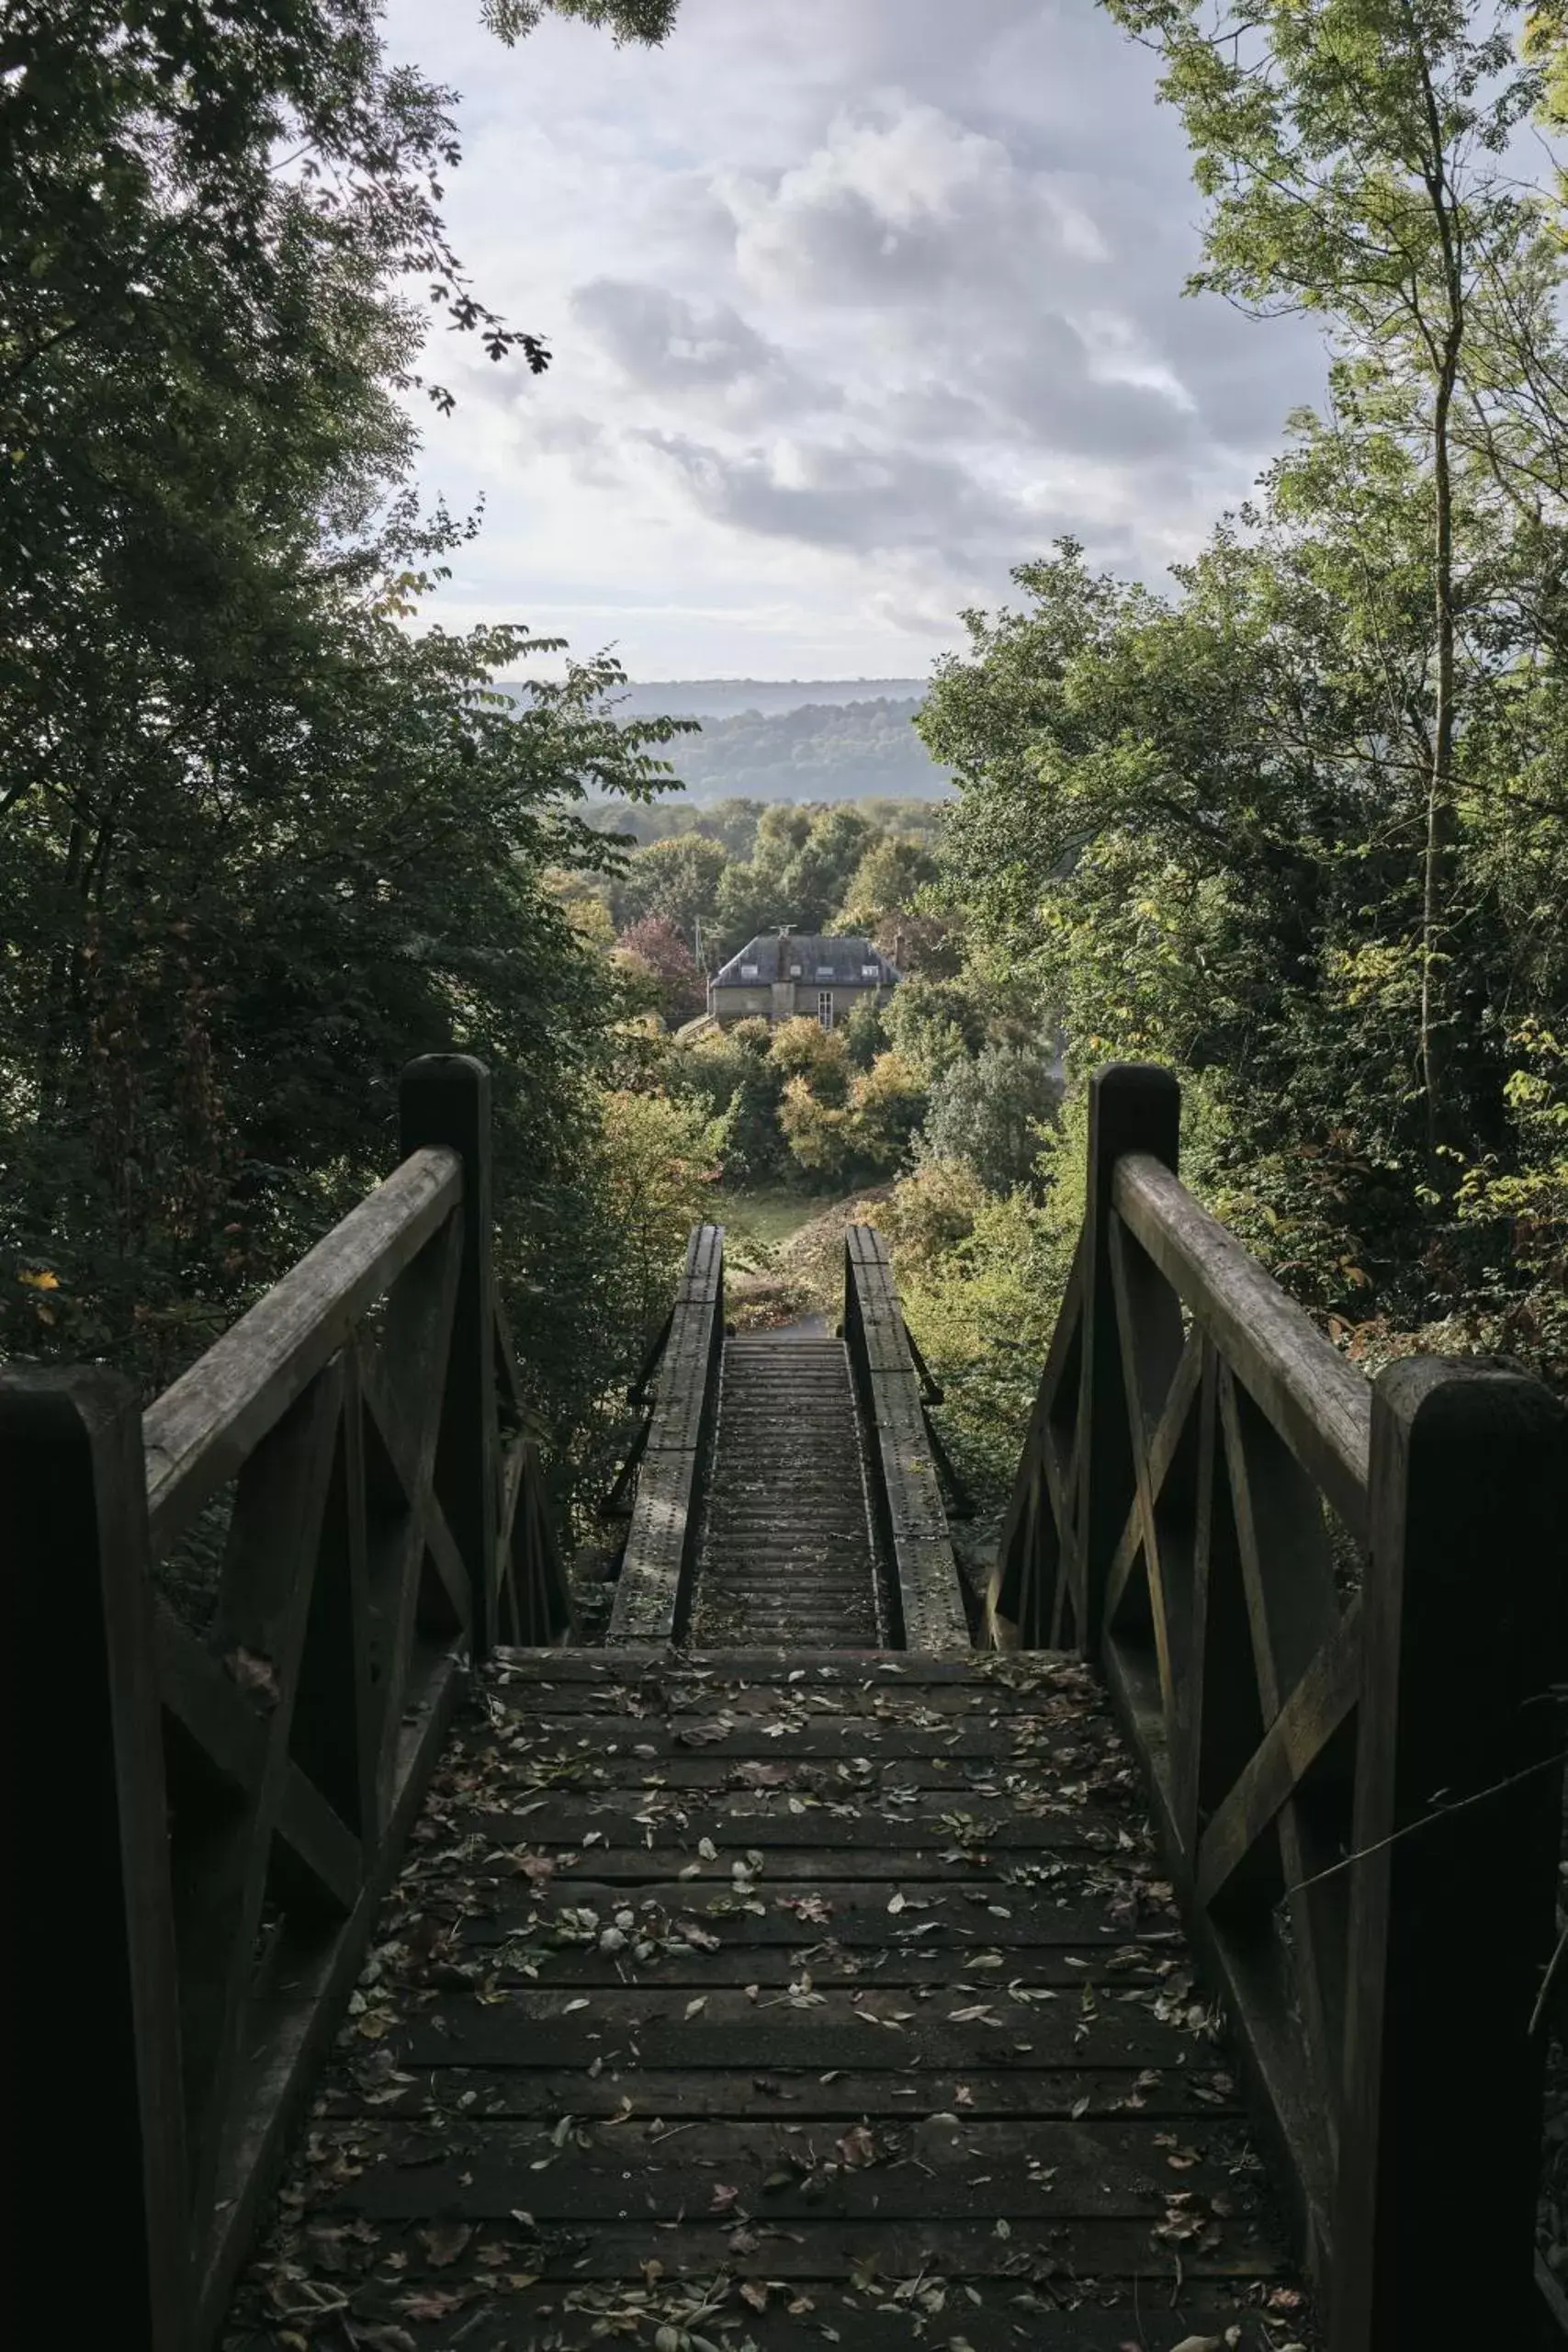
(1184, 825)
(648, 21)
(258, 842)
(733, 1073)
(885, 884)
(677, 879)
(1355, 155)
(886, 1103)
(934, 1023)
(655, 948)
(819, 1134)
(992, 1113)
(803, 1048)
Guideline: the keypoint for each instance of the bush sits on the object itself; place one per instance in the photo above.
(992, 1113)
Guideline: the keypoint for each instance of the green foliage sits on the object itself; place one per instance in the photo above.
(992, 1112)
(648, 21)
(864, 1034)
(1356, 157)
(259, 844)
(887, 1104)
(817, 1131)
(934, 1024)
(840, 1123)
(803, 1048)
(677, 879)
(733, 1072)
(981, 1278)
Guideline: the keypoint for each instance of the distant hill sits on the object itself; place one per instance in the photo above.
(822, 751)
(842, 743)
(727, 697)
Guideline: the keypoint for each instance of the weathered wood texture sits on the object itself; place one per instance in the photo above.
(906, 1490)
(971, 2098)
(227, 1808)
(653, 1594)
(1331, 1616)
(785, 1552)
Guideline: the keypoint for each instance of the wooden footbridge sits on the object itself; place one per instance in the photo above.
(1153, 1957)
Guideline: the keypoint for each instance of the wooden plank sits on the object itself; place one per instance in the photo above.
(203, 1427)
(927, 1821)
(822, 1737)
(1039, 2252)
(1133, 1107)
(220, 1854)
(91, 1852)
(649, 2022)
(513, 2052)
(1000, 2314)
(293, 2029)
(767, 1664)
(1312, 1715)
(1014, 1599)
(652, 1595)
(1457, 1835)
(832, 2094)
(1316, 1399)
(844, 1777)
(905, 1489)
(1268, 2039)
(443, 1103)
(938, 1914)
(476, 1859)
(916, 2170)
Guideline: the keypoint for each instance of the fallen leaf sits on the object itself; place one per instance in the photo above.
(444, 2241)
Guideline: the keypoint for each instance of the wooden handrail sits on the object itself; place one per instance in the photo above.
(906, 1487)
(1319, 1403)
(653, 1592)
(1347, 1732)
(202, 1427)
(385, 1520)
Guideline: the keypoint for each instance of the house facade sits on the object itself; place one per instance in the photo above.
(781, 975)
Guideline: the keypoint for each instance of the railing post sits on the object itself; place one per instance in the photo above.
(1133, 1106)
(1456, 1835)
(445, 1099)
(97, 1990)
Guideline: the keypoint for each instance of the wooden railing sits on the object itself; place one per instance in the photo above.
(218, 1813)
(653, 1592)
(1332, 1616)
(904, 1475)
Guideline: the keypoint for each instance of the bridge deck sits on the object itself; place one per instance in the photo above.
(749, 1999)
(788, 1553)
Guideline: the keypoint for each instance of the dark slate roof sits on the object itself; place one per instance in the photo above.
(828, 960)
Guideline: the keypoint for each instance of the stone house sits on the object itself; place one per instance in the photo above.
(782, 974)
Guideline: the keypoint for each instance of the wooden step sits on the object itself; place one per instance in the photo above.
(725, 2016)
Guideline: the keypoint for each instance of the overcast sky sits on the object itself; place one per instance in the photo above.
(854, 305)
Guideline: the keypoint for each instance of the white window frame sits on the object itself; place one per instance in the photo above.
(870, 972)
(749, 972)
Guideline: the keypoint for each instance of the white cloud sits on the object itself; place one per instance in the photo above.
(853, 307)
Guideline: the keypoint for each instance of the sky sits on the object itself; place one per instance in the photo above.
(854, 305)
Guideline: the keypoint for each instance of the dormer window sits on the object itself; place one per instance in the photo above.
(868, 971)
(795, 971)
(748, 971)
(824, 971)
